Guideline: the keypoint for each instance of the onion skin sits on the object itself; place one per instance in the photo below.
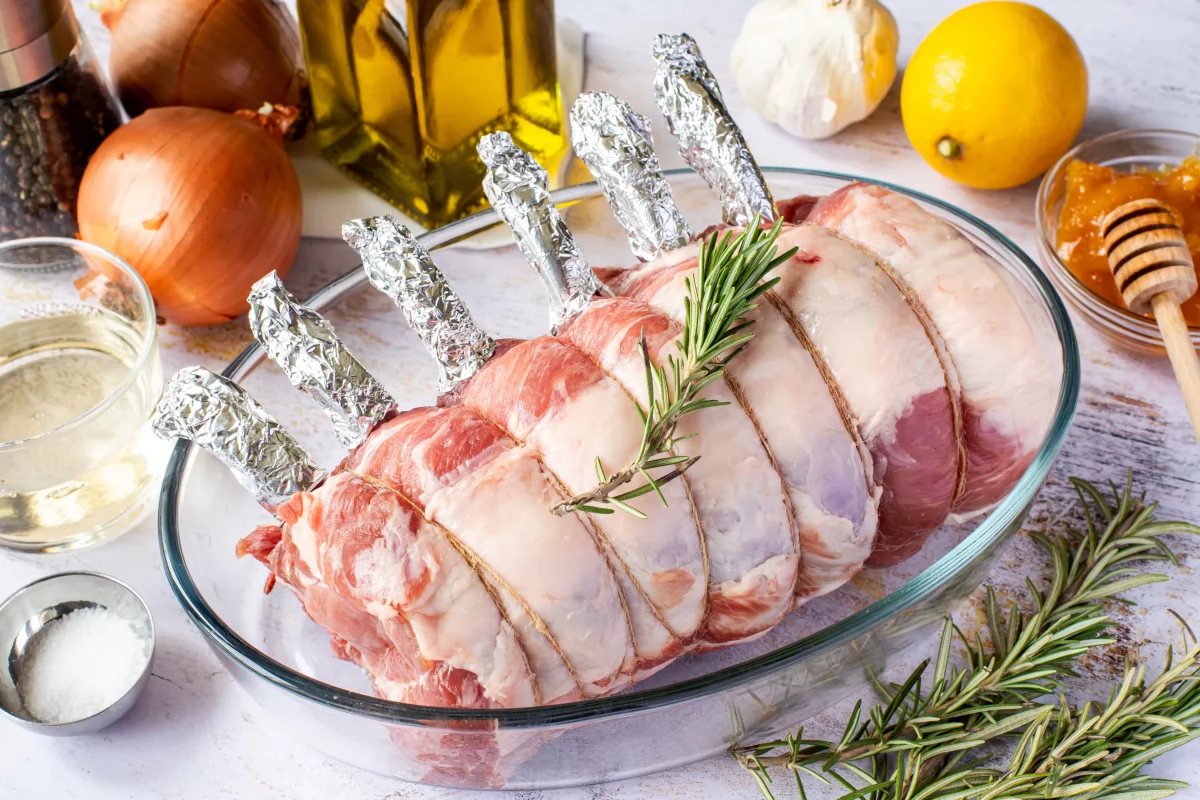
(202, 204)
(218, 54)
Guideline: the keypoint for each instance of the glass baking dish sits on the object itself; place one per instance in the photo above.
(697, 707)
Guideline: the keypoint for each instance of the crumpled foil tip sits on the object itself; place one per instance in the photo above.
(303, 344)
(399, 266)
(709, 139)
(495, 148)
(518, 189)
(219, 416)
(615, 143)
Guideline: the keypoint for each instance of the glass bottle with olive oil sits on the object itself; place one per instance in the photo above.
(403, 90)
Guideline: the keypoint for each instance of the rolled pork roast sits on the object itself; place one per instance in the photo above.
(896, 375)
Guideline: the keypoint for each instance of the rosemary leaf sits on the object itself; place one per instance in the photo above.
(915, 747)
(596, 510)
(730, 277)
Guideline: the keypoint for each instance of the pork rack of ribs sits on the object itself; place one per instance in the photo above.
(896, 375)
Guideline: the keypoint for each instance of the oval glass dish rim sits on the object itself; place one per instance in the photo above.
(145, 347)
(1101, 305)
(938, 574)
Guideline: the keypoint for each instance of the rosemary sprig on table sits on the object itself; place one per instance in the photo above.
(729, 278)
(920, 744)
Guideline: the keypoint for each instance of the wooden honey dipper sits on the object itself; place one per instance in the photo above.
(1153, 269)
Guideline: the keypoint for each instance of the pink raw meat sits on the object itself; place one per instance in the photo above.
(744, 516)
(558, 403)
(386, 584)
(822, 462)
(890, 374)
(433, 560)
(1002, 346)
(487, 493)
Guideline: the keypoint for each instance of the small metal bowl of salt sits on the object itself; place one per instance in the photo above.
(75, 653)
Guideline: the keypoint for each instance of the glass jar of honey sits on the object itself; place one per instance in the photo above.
(402, 92)
(1092, 191)
(1092, 179)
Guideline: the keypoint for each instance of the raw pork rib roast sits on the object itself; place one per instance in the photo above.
(896, 375)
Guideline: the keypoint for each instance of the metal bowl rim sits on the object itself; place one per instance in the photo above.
(34, 724)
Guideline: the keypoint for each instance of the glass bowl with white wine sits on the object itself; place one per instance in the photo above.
(79, 377)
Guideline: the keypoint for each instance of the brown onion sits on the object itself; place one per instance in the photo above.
(218, 54)
(201, 203)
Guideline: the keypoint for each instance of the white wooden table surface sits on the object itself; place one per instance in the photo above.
(196, 735)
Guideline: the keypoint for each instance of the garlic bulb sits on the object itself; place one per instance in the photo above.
(816, 66)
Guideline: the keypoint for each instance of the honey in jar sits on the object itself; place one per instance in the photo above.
(1092, 191)
(402, 90)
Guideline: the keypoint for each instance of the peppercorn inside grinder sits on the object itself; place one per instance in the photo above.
(56, 106)
(25, 625)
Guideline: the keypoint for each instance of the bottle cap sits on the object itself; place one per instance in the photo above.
(35, 37)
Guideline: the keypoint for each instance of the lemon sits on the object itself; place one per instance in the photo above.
(994, 95)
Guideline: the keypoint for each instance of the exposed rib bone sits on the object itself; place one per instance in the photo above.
(517, 187)
(303, 343)
(615, 143)
(220, 417)
(400, 267)
(709, 139)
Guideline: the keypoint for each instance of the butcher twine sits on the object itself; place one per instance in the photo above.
(599, 538)
(491, 579)
(691, 501)
(945, 360)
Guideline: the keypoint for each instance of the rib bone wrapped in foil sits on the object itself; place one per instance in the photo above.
(400, 267)
(518, 189)
(709, 140)
(219, 416)
(615, 143)
(302, 342)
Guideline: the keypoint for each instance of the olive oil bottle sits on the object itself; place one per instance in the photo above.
(403, 90)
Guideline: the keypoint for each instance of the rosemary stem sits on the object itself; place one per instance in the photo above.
(918, 746)
(730, 276)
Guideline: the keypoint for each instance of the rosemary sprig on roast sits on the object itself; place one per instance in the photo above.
(730, 277)
(921, 743)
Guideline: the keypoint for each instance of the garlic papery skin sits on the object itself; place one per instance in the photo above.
(816, 66)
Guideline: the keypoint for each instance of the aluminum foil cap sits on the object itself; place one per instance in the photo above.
(303, 343)
(401, 268)
(615, 143)
(518, 189)
(219, 416)
(709, 140)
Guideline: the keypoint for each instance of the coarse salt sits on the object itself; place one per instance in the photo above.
(79, 665)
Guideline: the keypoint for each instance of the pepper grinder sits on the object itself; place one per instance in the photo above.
(55, 108)
(1153, 268)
